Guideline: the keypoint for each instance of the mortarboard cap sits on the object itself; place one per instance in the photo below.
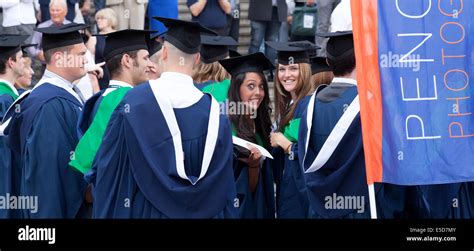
(123, 41)
(59, 36)
(24, 50)
(153, 45)
(311, 48)
(256, 62)
(234, 53)
(184, 35)
(340, 45)
(289, 54)
(319, 64)
(215, 48)
(10, 44)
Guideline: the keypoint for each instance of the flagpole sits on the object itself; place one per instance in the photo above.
(373, 207)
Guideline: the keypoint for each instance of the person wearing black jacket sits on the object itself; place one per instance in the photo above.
(265, 20)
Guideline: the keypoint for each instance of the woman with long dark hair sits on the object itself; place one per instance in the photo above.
(249, 112)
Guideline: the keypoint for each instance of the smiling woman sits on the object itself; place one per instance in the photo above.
(293, 87)
(252, 172)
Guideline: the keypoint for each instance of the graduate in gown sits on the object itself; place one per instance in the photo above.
(292, 87)
(343, 174)
(210, 76)
(252, 172)
(11, 68)
(127, 59)
(43, 132)
(167, 152)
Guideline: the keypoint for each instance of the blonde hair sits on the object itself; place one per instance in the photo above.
(108, 14)
(304, 87)
(322, 78)
(214, 71)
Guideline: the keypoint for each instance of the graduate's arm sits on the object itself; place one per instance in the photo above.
(196, 6)
(225, 6)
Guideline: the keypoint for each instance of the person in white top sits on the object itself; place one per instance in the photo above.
(19, 17)
(341, 18)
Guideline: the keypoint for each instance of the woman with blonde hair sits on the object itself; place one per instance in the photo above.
(322, 74)
(106, 20)
(210, 76)
(293, 88)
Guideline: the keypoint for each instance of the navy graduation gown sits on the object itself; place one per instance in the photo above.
(9, 176)
(292, 199)
(445, 201)
(344, 173)
(261, 203)
(44, 136)
(136, 166)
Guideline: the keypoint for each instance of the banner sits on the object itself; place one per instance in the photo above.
(414, 68)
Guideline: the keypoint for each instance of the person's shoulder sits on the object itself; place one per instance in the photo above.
(6, 98)
(139, 92)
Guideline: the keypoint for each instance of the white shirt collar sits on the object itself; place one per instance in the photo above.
(179, 88)
(344, 80)
(56, 80)
(10, 85)
(114, 82)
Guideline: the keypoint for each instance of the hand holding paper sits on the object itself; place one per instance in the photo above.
(244, 143)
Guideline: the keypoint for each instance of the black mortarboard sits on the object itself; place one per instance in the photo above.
(215, 48)
(186, 36)
(256, 62)
(311, 48)
(340, 45)
(319, 64)
(59, 36)
(123, 41)
(289, 54)
(153, 45)
(24, 50)
(234, 53)
(10, 44)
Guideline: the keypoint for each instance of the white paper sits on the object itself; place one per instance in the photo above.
(4, 126)
(308, 21)
(243, 143)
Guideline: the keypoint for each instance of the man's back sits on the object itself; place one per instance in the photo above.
(137, 160)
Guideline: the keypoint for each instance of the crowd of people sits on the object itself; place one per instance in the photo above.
(173, 123)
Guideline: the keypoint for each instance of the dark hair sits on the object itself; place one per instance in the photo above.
(49, 53)
(114, 65)
(243, 124)
(4, 59)
(343, 66)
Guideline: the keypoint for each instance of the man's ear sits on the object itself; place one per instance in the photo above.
(197, 59)
(10, 62)
(164, 53)
(126, 61)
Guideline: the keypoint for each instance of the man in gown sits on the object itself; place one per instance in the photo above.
(167, 152)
